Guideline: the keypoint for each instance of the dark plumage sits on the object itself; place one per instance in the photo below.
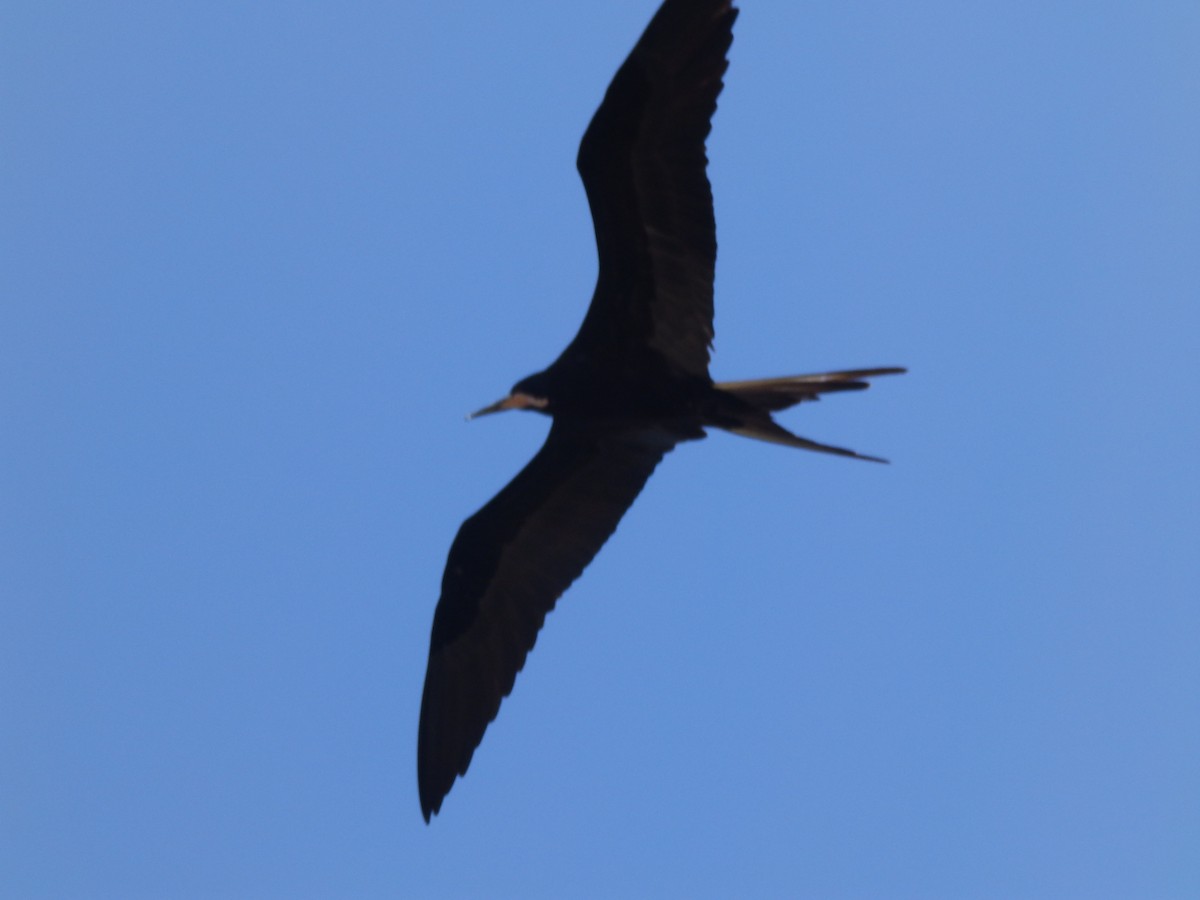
(632, 384)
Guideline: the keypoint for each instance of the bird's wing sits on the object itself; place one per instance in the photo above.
(508, 565)
(643, 163)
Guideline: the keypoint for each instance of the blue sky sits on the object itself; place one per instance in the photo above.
(258, 260)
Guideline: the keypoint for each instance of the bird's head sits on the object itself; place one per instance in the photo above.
(526, 394)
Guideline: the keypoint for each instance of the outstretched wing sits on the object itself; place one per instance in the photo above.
(508, 565)
(643, 164)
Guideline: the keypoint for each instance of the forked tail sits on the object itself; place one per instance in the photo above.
(768, 395)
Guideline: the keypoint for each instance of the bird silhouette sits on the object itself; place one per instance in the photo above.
(631, 385)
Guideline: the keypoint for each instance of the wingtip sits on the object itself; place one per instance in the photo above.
(430, 807)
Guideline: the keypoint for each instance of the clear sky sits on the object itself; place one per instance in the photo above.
(258, 260)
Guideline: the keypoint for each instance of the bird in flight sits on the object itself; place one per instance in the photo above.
(631, 385)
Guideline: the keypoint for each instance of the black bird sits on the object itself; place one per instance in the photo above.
(632, 384)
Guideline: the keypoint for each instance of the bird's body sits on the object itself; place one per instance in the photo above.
(632, 385)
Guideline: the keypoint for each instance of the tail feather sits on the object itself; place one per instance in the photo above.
(767, 395)
(772, 432)
(774, 394)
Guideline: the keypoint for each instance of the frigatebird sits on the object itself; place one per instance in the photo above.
(631, 385)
